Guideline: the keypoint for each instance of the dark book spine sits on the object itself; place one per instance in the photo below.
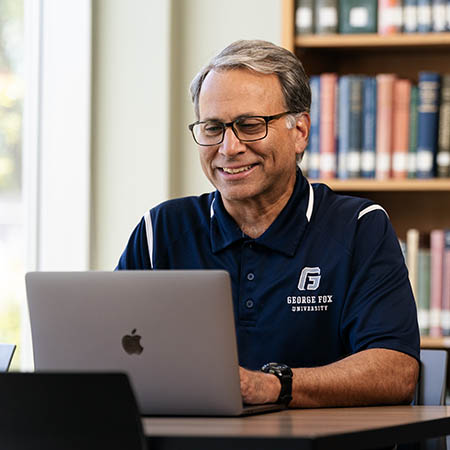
(428, 112)
(369, 125)
(409, 16)
(304, 16)
(443, 155)
(354, 151)
(326, 16)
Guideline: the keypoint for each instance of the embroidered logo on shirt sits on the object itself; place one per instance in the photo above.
(310, 275)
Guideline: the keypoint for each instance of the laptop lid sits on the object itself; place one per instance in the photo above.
(6, 354)
(171, 331)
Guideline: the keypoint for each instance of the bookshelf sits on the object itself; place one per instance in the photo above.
(423, 204)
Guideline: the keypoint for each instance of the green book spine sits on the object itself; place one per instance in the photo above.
(357, 16)
(412, 154)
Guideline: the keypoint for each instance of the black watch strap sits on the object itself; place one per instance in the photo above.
(284, 374)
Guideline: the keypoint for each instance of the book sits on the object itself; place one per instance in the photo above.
(326, 16)
(390, 16)
(400, 132)
(314, 132)
(350, 126)
(412, 152)
(443, 152)
(409, 16)
(385, 92)
(424, 16)
(357, 16)
(327, 137)
(427, 130)
(439, 15)
(369, 127)
(445, 317)
(423, 283)
(436, 272)
(344, 125)
(304, 16)
(412, 258)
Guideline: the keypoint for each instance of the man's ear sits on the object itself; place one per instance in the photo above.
(302, 126)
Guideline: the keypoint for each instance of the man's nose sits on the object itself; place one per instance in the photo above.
(231, 145)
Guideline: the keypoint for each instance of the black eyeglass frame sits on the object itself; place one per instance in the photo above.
(231, 124)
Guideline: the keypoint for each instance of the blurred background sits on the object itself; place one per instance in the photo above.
(94, 107)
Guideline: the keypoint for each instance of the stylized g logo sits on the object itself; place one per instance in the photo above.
(313, 275)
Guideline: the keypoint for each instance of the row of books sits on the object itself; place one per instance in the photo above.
(379, 127)
(372, 16)
(428, 261)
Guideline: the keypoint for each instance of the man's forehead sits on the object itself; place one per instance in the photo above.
(233, 87)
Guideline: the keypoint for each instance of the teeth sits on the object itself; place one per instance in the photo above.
(241, 169)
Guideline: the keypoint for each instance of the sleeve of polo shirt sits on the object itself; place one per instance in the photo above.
(379, 311)
(136, 253)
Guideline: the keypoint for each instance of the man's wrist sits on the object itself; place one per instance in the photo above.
(284, 375)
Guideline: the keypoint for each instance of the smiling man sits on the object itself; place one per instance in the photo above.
(324, 311)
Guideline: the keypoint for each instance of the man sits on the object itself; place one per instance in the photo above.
(319, 281)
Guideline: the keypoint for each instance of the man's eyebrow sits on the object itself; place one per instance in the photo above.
(240, 116)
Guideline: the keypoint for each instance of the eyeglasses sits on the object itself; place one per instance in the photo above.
(246, 129)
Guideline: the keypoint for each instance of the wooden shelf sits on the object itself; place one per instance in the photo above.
(373, 40)
(367, 185)
(435, 342)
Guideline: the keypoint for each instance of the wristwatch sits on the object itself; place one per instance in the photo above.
(284, 374)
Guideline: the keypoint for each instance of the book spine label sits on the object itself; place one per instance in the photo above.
(328, 85)
(428, 110)
(385, 89)
(314, 138)
(443, 155)
(400, 146)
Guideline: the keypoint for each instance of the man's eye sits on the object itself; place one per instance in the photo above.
(212, 129)
(251, 125)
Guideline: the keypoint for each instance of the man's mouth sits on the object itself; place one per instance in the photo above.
(237, 169)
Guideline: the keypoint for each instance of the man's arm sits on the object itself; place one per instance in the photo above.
(370, 377)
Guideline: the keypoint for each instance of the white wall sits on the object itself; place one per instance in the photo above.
(145, 54)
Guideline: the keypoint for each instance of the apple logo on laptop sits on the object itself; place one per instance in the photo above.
(131, 343)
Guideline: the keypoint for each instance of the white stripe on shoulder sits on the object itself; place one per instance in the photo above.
(149, 231)
(211, 212)
(370, 209)
(309, 210)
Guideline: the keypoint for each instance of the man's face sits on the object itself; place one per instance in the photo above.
(259, 171)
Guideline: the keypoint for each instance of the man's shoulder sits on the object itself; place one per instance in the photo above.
(183, 209)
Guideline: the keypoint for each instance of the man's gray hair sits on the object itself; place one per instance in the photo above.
(262, 57)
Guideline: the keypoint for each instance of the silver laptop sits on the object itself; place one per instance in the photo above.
(172, 331)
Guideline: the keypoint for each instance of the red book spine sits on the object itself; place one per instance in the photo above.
(437, 260)
(385, 93)
(400, 130)
(328, 86)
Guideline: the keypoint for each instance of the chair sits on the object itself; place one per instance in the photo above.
(6, 354)
(432, 386)
(69, 411)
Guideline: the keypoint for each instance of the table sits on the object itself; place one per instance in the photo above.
(315, 429)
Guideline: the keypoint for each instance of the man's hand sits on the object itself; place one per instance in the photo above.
(259, 387)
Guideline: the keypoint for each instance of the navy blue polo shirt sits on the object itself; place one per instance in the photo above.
(325, 280)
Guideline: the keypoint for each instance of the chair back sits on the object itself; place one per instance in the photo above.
(69, 411)
(433, 377)
(6, 354)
